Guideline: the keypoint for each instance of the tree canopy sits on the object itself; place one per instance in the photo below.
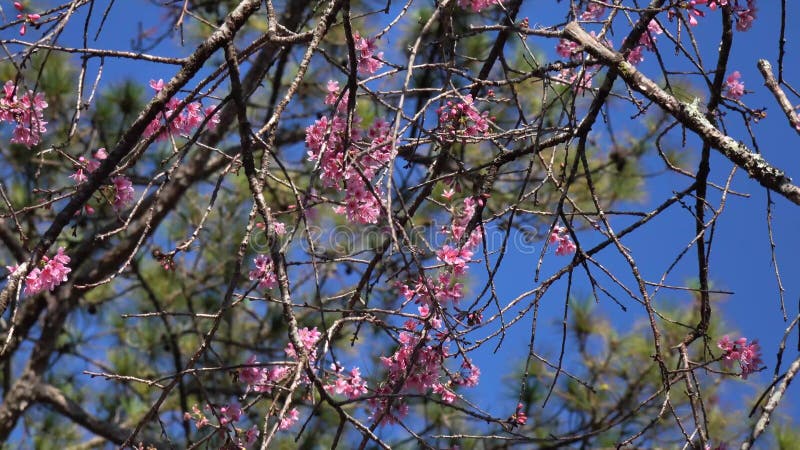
(372, 224)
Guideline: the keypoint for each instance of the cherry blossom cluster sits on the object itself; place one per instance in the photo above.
(263, 272)
(593, 12)
(349, 162)
(26, 18)
(184, 122)
(123, 187)
(50, 273)
(26, 112)
(350, 385)
(745, 15)
(418, 364)
(264, 379)
(227, 414)
(646, 42)
(519, 417)
(416, 367)
(461, 119)
(86, 165)
(368, 61)
(747, 355)
(733, 87)
(455, 255)
(561, 237)
(477, 5)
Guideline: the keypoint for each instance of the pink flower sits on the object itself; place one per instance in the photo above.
(746, 16)
(734, 87)
(79, 176)
(50, 273)
(565, 245)
(519, 417)
(123, 191)
(229, 413)
(368, 61)
(333, 92)
(566, 48)
(593, 11)
(26, 112)
(101, 154)
(289, 419)
(353, 386)
(747, 355)
(251, 435)
(309, 340)
(477, 5)
(635, 56)
(448, 194)
(448, 396)
(263, 272)
(32, 18)
(462, 118)
(157, 85)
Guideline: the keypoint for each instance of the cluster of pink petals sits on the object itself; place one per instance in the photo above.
(593, 11)
(289, 419)
(309, 339)
(123, 191)
(519, 417)
(733, 87)
(352, 385)
(28, 18)
(261, 379)
(200, 419)
(263, 272)
(745, 15)
(565, 245)
(417, 366)
(86, 165)
(477, 5)
(26, 112)
(229, 413)
(368, 61)
(183, 123)
(350, 169)
(747, 355)
(646, 42)
(50, 273)
(462, 118)
(580, 80)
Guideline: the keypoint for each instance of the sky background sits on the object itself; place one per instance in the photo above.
(740, 257)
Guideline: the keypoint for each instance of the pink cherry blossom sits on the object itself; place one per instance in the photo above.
(734, 88)
(477, 5)
(635, 55)
(560, 236)
(593, 11)
(26, 112)
(263, 272)
(747, 355)
(352, 385)
(124, 192)
(368, 61)
(519, 417)
(291, 417)
(462, 119)
(567, 49)
(229, 413)
(745, 16)
(50, 273)
(185, 122)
